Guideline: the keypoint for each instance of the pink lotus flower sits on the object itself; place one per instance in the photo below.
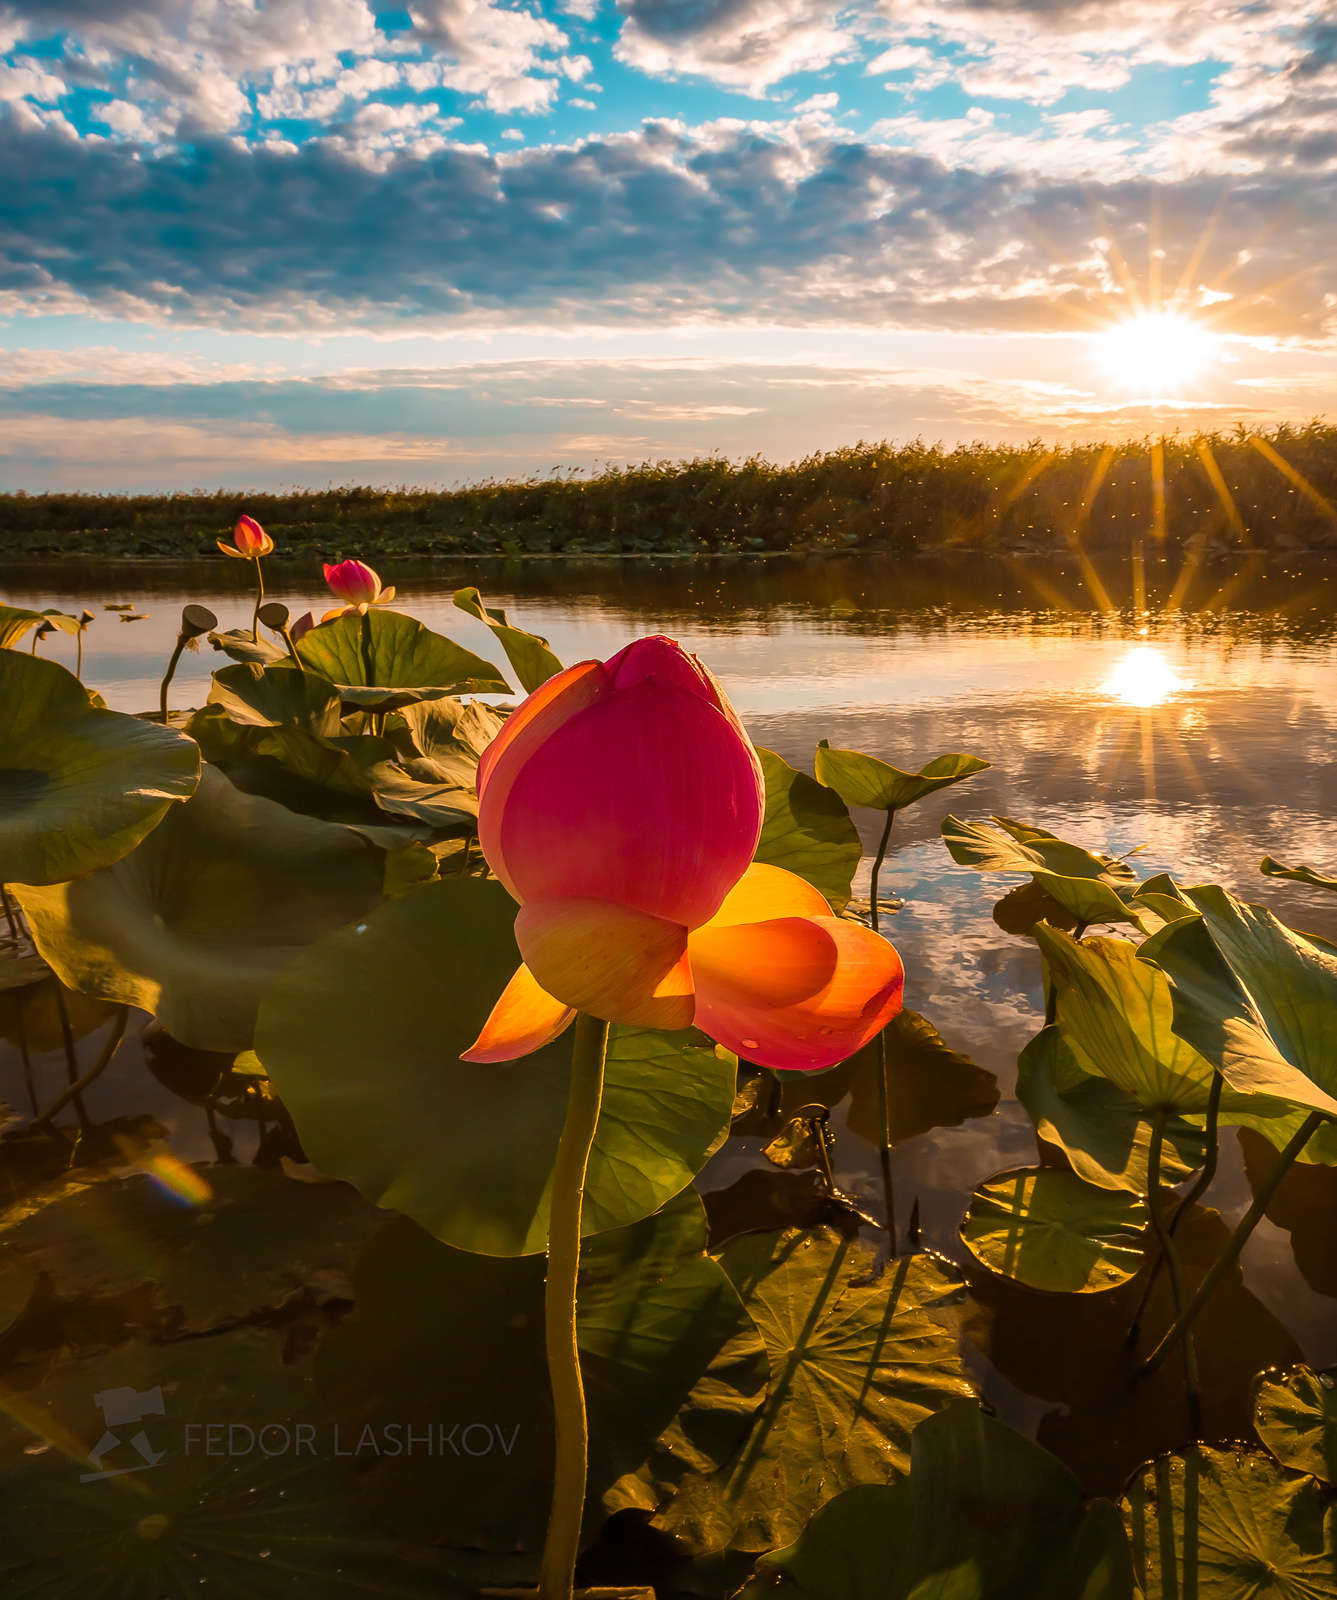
(356, 583)
(249, 541)
(621, 806)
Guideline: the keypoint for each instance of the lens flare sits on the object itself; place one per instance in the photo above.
(1144, 678)
(1157, 353)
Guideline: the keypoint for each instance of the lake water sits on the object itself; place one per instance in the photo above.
(1196, 719)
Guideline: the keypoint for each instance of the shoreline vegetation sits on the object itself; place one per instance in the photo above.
(1271, 491)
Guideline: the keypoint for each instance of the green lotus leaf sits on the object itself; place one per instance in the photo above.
(857, 1362)
(404, 654)
(862, 780)
(79, 786)
(530, 658)
(1229, 1525)
(1086, 885)
(1295, 1413)
(362, 1037)
(984, 1515)
(1104, 1132)
(450, 732)
(61, 620)
(195, 924)
(269, 1527)
(277, 696)
(1021, 908)
(242, 645)
(664, 1344)
(259, 1242)
(439, 805)
(807, 830)
(1050, 1230)
(365, 698)
(1254, 997)
(15, 621)
(1274, 869)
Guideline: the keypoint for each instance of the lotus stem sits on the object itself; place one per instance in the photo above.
(1248, 1222)
(170, 674)
(71, 1059)
(9, 913)
(259, 600)
(1171, 1257)
(79, 654)
(368, 657)
(95, 1071)
(557, 1576)
(883, 1079)
(19, 998)
(1201, 1184)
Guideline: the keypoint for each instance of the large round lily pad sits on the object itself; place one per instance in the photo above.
(984, 1515)
(362, 1036)
(1051, 1230)
(1295, 1414)
(195, 923)
(80, 786)
(661, 1332)
(287, 1525)
(1229, 1525)
(857, 1362)
(403, 653)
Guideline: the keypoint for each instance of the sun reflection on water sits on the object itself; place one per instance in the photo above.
(1144, 678)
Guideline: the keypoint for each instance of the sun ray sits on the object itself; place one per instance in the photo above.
(1297, 477)
(1199, 250)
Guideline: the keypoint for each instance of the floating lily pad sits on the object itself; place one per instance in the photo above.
(931, 1085)
(281, 1526)
(984, 1515)
(807, 830)
(1021, 908)
(1050, 1230)
(1086, 885)
(403, 654)
(1316, 880)
(530, 658)
(862, 780)
(857, 1362)
(259, 1242)
(79, 786)
(362, 1038)
(1295, 1414)
(1254, 997)
(1105, 1133)
(1229, 1525)
(656, 1315)
(762, 1202)
(194, 924)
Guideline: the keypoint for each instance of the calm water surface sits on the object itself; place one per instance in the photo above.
(1196, 719)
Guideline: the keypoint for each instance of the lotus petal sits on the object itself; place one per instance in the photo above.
(523, 1020)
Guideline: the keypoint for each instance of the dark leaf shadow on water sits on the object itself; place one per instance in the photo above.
(1305, 1205)
(1072, 1350)
(762, 1202)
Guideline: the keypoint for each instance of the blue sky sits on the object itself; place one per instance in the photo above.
(268, 242)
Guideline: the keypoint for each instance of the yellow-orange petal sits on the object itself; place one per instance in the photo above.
(765, 892)
(231, 550)
(795, 993)
(522, 1021)
(609, 960)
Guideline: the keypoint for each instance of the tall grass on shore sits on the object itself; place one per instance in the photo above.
(1210, 493)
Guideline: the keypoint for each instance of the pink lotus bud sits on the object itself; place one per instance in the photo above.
(354, 582)
(301, 627)
(621, 805)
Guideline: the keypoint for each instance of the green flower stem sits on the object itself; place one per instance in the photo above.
(95, 1071)
(1051, 993)
(170, 674)
(259, 599)
(1200, 1186)
(557, 1577)
(71, 1060)
(286, 635)
(883, 1079)
(1239, 1239)
(1171, 1257)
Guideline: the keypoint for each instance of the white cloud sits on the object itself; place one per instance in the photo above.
(584, 105)
(744, 44)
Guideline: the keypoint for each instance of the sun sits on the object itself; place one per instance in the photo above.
(1156, 353)
(1144, 677)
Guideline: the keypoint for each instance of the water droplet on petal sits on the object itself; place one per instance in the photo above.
(749, 1044)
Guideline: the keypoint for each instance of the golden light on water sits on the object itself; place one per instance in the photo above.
(1144, 678)
(1156, 353)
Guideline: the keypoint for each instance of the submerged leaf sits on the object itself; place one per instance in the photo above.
(1050, 1230)
(984, 1515)
(862, 780)
(381, 1098)
(856, 1364)
(807, 830)
(195, 924)
(79, 785)
(404, 654)
(528, 654)
(1229, 1525)
(1295, 1414)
